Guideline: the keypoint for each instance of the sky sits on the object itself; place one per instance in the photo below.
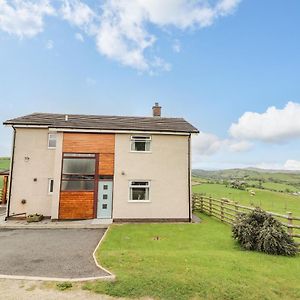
(229, 67)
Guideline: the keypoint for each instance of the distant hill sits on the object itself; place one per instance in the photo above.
(255, 174)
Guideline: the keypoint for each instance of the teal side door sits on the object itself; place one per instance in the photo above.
(104, 200)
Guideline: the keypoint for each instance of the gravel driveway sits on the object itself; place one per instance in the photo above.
(63, 253)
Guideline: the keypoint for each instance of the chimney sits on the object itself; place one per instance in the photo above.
(66, 118)
(156, 109)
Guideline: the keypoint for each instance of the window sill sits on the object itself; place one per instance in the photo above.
(139, 201)
(145, 152)
(51, 148)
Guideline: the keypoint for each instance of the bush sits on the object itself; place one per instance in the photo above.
(64, 285)
(259, 231)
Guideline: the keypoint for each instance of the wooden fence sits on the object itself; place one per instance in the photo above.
(227, 210)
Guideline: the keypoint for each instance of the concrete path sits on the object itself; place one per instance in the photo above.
(60, 253)
(2, 210)
(36, 290)
(49, 224)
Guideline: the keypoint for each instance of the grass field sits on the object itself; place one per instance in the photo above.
(191, 261)
(4, 165)
(268, 200)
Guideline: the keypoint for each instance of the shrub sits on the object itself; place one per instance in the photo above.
(259, 231)
(64, 285)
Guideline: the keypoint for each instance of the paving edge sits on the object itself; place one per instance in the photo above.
(59, 226)
(110, 277)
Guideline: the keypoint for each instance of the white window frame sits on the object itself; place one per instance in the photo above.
(49, 186)
(140, 138)
(52, 136)
(133, 186)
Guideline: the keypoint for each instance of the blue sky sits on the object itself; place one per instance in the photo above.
(209, 61)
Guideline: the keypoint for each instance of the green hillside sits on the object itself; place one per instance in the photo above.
(4, 165)
(268, 200)
(281, 181)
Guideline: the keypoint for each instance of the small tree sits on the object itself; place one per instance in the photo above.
(259, 231)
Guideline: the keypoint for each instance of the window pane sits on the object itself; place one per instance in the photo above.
(139, 183)
(51, 184)
(79, 166)
(79, 154)
(139, 193)
(52, 143)
(78, 185)
(139, 146)
(147, 146)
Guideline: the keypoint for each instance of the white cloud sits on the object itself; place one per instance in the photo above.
(79, 37)
(291, 164)
(274, 125)
(77, 13)
(176, 46)
(24, 18)
(49, 45)
(120, 27)
(239, 146)
(209, 144)
(206, 144)
(122, 34)
(288, 165)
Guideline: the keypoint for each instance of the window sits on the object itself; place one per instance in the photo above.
(50, 185)
(140, 143)
(52, 140)
(139, 190)
(78, 172)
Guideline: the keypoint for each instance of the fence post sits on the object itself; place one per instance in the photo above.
(210, 206)
(222, 210)
(201, 204)
(236, 208)
(290, 223)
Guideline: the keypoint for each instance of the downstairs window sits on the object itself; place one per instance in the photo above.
(139, 190)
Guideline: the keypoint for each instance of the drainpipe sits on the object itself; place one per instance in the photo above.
(189, 175)
(11, 173)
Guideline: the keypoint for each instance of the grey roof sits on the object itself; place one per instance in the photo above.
(105, 122)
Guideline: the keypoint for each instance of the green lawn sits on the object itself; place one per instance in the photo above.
(268, 200)
(191, 261)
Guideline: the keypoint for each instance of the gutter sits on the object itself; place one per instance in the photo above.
(189, 175)
(11, 173)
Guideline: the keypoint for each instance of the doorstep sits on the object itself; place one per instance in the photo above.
(48, 224)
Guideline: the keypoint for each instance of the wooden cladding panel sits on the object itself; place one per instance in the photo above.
(89, 143)
(76, 205)
(106, 164)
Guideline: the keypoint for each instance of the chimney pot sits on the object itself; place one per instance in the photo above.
(156, 110)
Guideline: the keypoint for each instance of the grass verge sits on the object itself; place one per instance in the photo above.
(198, 261)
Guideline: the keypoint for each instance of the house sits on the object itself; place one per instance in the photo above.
(70, 167)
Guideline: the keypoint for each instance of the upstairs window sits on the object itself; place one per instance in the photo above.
(51, 140)
(139, 190)
(140, 143)
(78, 172)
